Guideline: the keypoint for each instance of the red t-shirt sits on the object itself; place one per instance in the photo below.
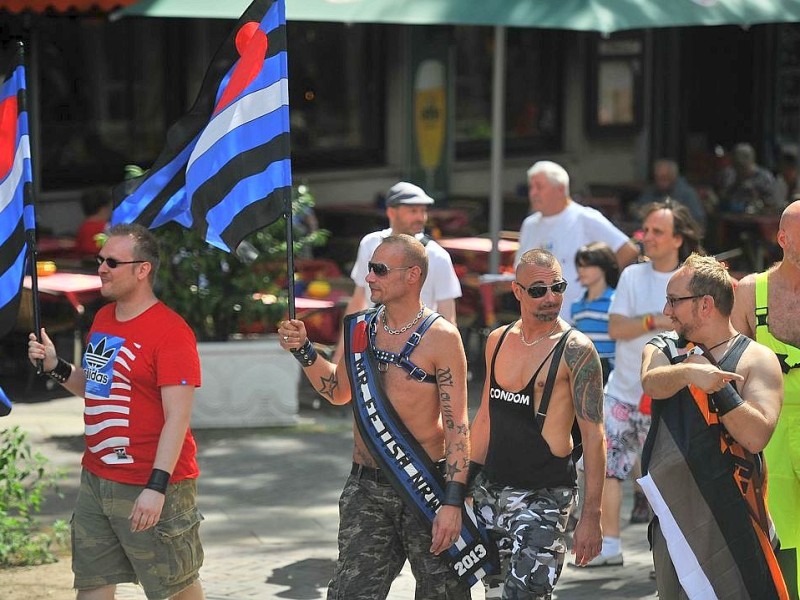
(126, 364)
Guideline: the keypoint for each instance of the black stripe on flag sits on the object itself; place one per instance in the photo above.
(11, 249)
(266, 209)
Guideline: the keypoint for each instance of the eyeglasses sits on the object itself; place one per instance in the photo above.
(382, 270)
(538, 291)
(113, 263)
(673, 301)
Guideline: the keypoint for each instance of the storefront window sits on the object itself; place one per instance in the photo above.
(533, 90)
(336, 94)
(101, 98)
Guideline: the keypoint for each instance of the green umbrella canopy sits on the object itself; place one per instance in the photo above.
(580, 15)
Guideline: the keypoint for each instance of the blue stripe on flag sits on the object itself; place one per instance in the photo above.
(133, 206)
(5, 404)
(11, 279)
(244, 193)
(239, 140)
(11, 214)
(14, 83)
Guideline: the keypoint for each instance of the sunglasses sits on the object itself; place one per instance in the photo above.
(113, 263)
(381, 270)
(539, 290)
(673, 301)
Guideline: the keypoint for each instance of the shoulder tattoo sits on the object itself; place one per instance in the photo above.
(587, 379)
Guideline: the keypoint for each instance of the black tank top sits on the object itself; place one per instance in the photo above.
(518, 454)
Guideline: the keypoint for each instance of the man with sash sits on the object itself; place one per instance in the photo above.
(543, 394)
(766, 310)
(404, 371)
(716, 399)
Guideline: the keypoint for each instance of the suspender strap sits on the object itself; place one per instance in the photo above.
(556, 352)
(402, 359)
(762, 294)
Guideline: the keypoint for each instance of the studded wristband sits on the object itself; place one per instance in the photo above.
(61, 371)
(306, 354)
(159, 480)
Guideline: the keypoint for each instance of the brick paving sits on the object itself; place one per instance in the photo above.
(269, 497)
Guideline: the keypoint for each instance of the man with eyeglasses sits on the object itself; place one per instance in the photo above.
(766, 311)
(135, 517)
(404, 374)
(407, 211)
(542, 405)
(716, 399)
(670, 235)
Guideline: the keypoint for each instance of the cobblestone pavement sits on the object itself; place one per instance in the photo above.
(269, 497)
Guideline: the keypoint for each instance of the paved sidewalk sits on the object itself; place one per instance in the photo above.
(269, 497)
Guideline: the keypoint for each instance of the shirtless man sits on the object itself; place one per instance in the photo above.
(377, 531)
(522, 436)
(766, 311)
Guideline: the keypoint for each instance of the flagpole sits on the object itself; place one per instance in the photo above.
(287, 213)
(31, 233)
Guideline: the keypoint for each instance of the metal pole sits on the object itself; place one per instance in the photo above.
(498, 138)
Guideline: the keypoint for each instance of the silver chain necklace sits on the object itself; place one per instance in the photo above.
(537, 340)
(405, 327)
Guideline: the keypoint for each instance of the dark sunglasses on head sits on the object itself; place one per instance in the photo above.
(539, 290)
(113, 263)
(381, 270)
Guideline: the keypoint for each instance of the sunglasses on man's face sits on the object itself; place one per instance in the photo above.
(382, 270)
(113, 263)
(539, 290)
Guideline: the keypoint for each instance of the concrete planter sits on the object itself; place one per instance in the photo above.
(246, 383)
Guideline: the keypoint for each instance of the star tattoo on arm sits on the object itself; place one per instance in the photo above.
(328, 385)
(452, 469)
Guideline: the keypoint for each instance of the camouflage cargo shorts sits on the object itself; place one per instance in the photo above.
(165, 559)
(529, 530)
(377, 532)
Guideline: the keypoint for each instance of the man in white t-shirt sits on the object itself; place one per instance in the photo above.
(407, 211)
(635, 317)
(561, 225)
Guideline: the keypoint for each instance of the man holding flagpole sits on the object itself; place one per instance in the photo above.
(404, 371)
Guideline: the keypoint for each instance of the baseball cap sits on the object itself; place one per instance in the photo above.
(407, 193)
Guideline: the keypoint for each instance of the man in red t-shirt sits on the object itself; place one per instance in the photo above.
(138, 377)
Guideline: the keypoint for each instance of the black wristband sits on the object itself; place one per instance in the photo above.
(159, 480)
(454, 493)
(474, 470)
(306, 354)
(726, 399)
(61, 371)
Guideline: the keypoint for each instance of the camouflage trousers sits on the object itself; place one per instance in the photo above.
(377, 532)
(529, 530)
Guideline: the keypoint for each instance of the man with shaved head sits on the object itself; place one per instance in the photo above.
(766, 309)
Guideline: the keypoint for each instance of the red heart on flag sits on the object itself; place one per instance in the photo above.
(252, 44)
(8, 134)
(360, 337)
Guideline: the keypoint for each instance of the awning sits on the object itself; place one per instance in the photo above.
(580, 15)
(16, 6)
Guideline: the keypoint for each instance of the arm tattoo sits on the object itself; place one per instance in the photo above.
(587, 380)
(444, 379)
(328, 385)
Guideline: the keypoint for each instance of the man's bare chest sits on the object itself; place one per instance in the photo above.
(784, 317)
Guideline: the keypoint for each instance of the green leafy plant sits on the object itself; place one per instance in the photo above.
(24, 480)
(221, 294)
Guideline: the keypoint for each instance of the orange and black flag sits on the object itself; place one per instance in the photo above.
(708, 494)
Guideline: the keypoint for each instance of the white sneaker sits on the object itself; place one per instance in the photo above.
(611, 560)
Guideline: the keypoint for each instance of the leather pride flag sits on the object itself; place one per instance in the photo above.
(225, 169)
(16, 201)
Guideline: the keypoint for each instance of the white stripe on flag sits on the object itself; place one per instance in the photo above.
(9, 186)
(690, 573)
(249, 108)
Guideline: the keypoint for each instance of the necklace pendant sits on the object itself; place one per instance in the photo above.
(383, 367)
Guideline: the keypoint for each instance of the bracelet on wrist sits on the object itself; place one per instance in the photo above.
(454, 493)
(726, 399)
(306, 355)
(61, 371)
(649, 322)
(159, 480)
